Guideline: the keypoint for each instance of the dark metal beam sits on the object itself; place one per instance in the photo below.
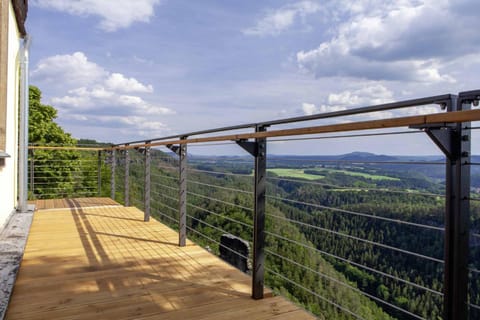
(258, 271)
(146, 191)
(112, 177)
(457, 217)
(99, 173)
(182, 210)
(454, 141)
(127, 178)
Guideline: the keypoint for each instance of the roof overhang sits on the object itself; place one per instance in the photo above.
(21, 8)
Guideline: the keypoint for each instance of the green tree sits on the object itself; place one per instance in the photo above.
(55, 171)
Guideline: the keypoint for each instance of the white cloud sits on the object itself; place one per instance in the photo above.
(308, 108)
(119, 82)
(399, 40)
(74, 69)
(114, 15)
(95, 96)
(365, 96)
(277, 21)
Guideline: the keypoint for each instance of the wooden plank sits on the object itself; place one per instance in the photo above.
(64, 148)
(107, 263)
(43, 204)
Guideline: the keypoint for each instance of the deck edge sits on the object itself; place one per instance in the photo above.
(13, 239)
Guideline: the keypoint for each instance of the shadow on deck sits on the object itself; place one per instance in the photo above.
(91, 262)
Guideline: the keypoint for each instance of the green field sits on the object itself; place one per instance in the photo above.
(360, 174)
(299, 173)
(294, 173)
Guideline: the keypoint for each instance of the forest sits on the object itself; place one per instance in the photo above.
(361, 241)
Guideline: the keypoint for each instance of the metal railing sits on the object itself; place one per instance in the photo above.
(67, 172)
(309, 240)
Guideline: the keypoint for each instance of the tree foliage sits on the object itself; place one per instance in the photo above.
(57, 173)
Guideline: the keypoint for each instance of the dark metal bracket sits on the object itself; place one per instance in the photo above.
(443, 135)
(443, 138)
(175, 149)
(249, 146)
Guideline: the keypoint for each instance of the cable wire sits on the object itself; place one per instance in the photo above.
(355, 264)
(357, 161)
(345, 136)
(363, 189)
(163, 176)
(343, 284)
(316, 294)
(166, 216)
(214, 241)
(222, 173)
(358, 213)
(165, 186)
(221, 201)
(341, 234)
(219, 215)
(220, 187)
(165, 196)
(211, 226)
(166, 206)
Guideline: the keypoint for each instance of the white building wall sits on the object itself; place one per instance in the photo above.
(8, 172)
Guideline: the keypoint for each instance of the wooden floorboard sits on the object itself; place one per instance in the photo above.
(91, 262)
(45, 204)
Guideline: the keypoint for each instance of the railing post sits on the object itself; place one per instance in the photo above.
(259, 216)
(146, 191)
(127, 177)
(112, 177)
(457, 217)
(32, 171)
(99, 173)
(182, 195)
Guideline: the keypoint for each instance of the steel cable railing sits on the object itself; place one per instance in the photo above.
(355, 264)
(65, 173)
(315, 183)
(350, 212)
(213, 208)
(340, 307)
(336, 229)
(329, 278)
(341, 234)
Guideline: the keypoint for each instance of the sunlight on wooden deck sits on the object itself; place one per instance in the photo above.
(106, 263)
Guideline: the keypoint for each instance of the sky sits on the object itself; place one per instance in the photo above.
(122, 70)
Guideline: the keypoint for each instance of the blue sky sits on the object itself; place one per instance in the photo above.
(124, 70)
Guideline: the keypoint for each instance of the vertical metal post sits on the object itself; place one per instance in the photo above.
(182, 183)
(457, 215)
(127, 177)
(99, 173)
(146, 191)
(259, 216)
(112, 177)
(32, 171)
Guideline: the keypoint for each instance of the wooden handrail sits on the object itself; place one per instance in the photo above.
(436, 118)
(66, 148)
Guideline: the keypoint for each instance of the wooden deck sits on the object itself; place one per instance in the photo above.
(106, 263)
(72, 203)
